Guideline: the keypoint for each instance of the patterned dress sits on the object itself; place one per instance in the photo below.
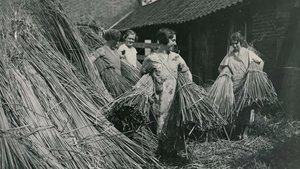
(164, 69)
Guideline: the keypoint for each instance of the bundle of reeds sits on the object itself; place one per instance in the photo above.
(23, 108)
(99, 94)
(14, 150)
(90, 36)
(146, 138)
(130, 72)
(60, 32)
(195, 107)
(221, 93)
(131, 114)
(255, 89)
(138, 65)
(28, 114)
(131, 110)
(114, 83)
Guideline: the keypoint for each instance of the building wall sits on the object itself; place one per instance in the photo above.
(269, 23)
(278, 42)
(103, 12)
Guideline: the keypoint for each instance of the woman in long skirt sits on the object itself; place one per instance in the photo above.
(238, 60)
(163, 65)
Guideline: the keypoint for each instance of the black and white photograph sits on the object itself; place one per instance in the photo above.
(149, 84)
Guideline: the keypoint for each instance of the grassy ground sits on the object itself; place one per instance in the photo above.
(272, 143)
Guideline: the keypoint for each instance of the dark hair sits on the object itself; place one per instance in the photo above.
(237, 36)
(164, 34)
(112, 34)
(129, 32)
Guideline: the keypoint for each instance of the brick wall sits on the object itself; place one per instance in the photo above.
(104, 12)
(269, 22)
(272, 20)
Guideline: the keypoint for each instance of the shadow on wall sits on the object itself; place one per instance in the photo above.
(286, 77)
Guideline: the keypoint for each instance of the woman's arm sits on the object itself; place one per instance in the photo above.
(96, 54)
(183, 68)
(255, 58)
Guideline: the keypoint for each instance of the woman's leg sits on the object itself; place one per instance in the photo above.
(242, 122)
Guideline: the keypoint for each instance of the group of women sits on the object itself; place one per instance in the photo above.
(163, 65)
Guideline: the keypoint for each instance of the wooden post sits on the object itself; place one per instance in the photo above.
(147, 50)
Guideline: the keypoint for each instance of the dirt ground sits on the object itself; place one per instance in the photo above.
(272, 143)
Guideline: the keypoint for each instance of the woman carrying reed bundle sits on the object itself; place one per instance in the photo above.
(108, 62)
(221, 93)
(108, 52)
(238, 60)
(163, 65)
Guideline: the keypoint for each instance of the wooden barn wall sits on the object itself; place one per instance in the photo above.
(208, 41)
(203, 43)
(286, 76)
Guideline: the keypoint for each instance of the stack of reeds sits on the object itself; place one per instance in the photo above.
(63, 36)
(116, 148)
(115, 83)
(46, 99)
(255, 89)
(221, 93)
(27, 113)
(194, 106)
(130, 72)
(15, 150)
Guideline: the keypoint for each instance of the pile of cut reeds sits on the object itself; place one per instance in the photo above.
(65, 38)
(115, 83)
(195, 107)
(117, 148)
(46, 99)
(16, 151)
(255, 89)
(60, 32)
(221, 93)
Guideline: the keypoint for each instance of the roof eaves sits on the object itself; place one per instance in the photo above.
(183, 13)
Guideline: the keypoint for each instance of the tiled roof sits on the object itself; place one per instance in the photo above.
(103, 12)
(172, 11)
